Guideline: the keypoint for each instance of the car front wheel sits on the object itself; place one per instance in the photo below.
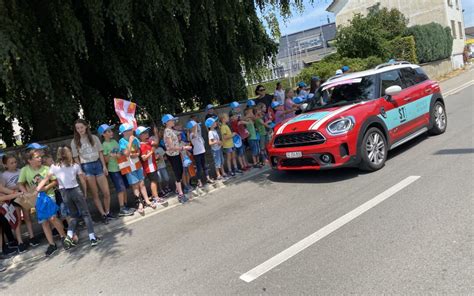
(373, 150)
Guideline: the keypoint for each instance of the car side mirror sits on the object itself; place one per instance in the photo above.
(391, 91)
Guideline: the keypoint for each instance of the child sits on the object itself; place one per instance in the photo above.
(261, 127)
(173, 150)
(236, 124)
(129, 146)
(280, 112)
(187, 163)
(30, 176)
(147, 153)
(253, 141)
(5, 229)
(162, 171)
(66, 172)
(87, 151)
(9, 178)
(111, 153)
(199, 152)
(216, 147)
(228, 145)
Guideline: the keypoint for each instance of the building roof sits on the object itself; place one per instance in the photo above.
(332, 5)
(306, 40)
(469, 31)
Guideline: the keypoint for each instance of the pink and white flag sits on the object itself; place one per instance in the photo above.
(126, 111)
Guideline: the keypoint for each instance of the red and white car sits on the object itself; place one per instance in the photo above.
(355, 119)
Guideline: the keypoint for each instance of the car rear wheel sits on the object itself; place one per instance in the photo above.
(373, 150)
(439, 120)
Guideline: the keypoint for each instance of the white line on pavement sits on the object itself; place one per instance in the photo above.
(323, 232)
(459, 88)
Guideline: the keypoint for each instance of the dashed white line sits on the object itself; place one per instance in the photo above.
(323, 232)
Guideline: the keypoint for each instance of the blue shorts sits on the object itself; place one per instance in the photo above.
(254, 147)
(135, 177)
(94, 168)
(240, 150)
(218, 158)
(228, 150)
(120, 181)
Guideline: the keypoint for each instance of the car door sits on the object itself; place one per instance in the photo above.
(394, 112)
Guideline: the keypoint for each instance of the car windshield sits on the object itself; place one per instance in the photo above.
(343, 92)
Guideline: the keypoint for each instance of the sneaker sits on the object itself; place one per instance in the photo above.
(51, 250)
(34, 242)
(110, 216)
(159, 200)
(13, 244)
(105, 219)
(9, 252)
(22, 248)
(182, 198)
(232, 174)
(125, 212)
(68, 243)
(239, 172)
(95, 242)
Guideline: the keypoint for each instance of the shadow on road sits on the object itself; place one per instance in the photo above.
(454, 151)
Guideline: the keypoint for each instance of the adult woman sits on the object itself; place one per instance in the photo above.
(87, 151)
(173, 150)
(279, 93)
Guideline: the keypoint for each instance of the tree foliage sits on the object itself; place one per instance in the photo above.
(62, 57)
(433, 42)
(369, 35)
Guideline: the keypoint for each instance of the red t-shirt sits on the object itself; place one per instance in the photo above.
(149, 165)
(239, 129)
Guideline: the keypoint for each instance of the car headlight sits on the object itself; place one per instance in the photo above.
(341, 126)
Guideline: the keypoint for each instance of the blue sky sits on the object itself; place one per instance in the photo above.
(315, 14)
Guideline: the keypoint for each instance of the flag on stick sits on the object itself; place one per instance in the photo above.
(126, 111)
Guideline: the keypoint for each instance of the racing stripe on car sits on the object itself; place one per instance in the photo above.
(318, 124)
(303, 117)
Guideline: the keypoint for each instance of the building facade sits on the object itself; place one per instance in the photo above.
(448, 13)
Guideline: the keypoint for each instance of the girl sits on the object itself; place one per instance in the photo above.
(87, 151)
(162, 171)
(5, 229)
(228, 145)
(216, 146)
(66, 172)
(290, 107)
(173, 152)
(30, 176)
(199, 152)
(10, 178)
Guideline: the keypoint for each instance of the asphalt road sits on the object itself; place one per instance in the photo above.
(418, 240)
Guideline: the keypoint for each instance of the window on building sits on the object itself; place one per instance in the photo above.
(460, 30)
(450, 3)
(453, 28)
(457, 4)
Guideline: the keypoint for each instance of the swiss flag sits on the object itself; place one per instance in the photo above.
(126, 111)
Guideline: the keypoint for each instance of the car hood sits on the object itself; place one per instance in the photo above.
(312, 120)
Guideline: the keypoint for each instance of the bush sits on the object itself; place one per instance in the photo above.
(327, 67)
(403, 48)
(433, 42)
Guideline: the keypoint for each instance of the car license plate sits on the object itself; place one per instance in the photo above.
(297, 154)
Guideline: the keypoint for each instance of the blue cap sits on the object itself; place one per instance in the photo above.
(315, 78)
(191, 124)
(35, 146)
(250, 103)
(125, 127)
(168, 117)
(187, 161)
(104, 127)
(237, 141)
(275, 104)
(299, 100)
(309, 96)
(301, 84)
(234, 105)
(210, 121)
(140, 130)
(210, 106)
(345, 69)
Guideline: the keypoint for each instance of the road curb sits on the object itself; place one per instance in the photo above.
(37, 253)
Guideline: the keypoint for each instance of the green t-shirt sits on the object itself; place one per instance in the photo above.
(251, 128)
(111, 146)
(33, 177)
(260, 127)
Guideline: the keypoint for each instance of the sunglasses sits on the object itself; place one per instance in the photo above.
(262, 89)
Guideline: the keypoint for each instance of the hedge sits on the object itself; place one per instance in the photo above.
(403, 48)
(432, 41)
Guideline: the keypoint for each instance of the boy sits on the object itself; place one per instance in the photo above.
(216, 147)
(280, 112)
(228, 145)
(111, 152)
(235, 124)
(148, 158)
(253, 141)
(129, 147)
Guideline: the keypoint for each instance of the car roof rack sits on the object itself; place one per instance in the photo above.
(392, 64)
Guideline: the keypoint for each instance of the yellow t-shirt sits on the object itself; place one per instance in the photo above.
(225, 132)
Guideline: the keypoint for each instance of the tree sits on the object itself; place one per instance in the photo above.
(62, 57)
(368, 35)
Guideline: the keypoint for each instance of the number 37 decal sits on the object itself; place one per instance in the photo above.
(403, 116)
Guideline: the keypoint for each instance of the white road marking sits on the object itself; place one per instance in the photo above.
(459, 88)
(323, 232)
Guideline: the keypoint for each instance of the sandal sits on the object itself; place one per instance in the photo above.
(151, 205)
(141, 209)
